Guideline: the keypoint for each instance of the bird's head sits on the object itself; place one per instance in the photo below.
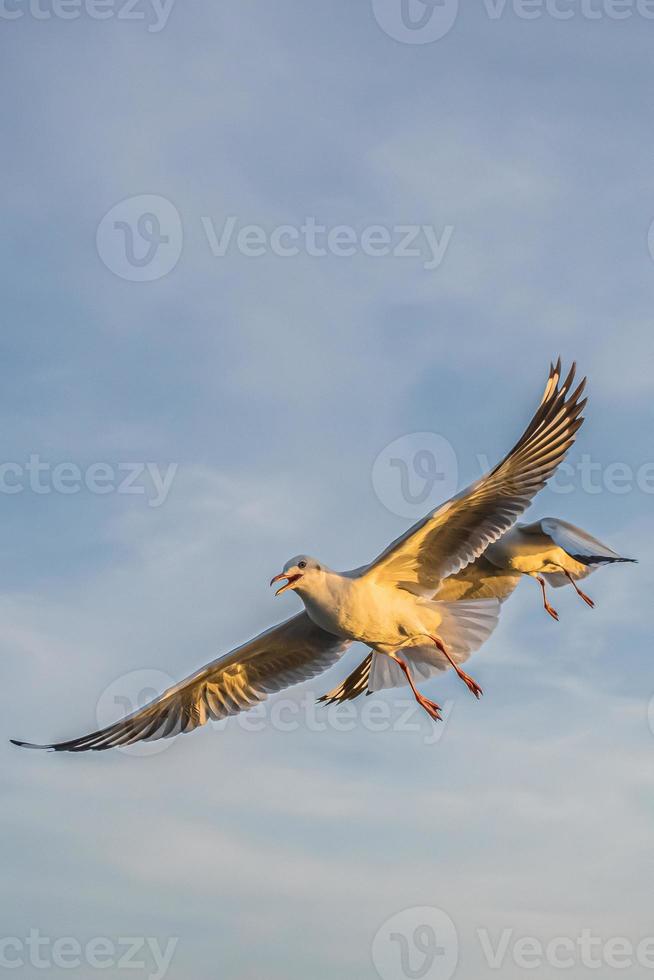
(299, 573)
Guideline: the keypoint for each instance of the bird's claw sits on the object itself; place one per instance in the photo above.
(432, 709)
(473, 686)
(553, 613)
(587, 599)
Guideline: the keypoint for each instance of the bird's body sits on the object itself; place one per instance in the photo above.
(361, 608)
(553, 552)
(529, 550)
(549, 547)
(430, 635)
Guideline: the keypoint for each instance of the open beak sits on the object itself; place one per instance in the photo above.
(290, 581)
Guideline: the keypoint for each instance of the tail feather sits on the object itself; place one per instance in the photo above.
(589, 564)
(466, 625)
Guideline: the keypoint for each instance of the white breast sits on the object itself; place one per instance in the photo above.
(358, 609)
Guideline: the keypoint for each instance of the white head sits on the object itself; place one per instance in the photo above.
(300, 573)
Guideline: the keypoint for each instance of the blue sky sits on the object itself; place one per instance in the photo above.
(271, 384)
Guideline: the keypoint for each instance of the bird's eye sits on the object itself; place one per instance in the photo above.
(301, 564)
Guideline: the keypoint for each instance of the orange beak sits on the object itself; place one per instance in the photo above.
(290, 581)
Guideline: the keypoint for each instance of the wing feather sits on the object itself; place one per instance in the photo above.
(458, 531)
(287, 654)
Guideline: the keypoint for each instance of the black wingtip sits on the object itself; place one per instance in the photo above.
(31, 745)
(327, 699)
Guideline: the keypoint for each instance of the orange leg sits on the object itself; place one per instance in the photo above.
(432, 709)
(553, 613)
(587, 599)
(469, 681)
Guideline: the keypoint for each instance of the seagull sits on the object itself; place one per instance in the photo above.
(550, 550)
(387, 604)
(553, 552)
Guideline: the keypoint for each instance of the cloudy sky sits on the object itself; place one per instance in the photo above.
(247, 248)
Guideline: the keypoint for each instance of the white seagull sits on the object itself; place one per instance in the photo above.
(553, 552)
(387, 604)
(550, 550)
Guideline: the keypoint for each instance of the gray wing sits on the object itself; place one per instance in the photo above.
(457, 532)
(587, 552)
(285, 655)
(573, 540)
(479, 580)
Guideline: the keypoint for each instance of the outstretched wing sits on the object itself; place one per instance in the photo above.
(458, 531)
(478, 580)
(285, 655)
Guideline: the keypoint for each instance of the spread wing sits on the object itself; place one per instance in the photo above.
(285, 655)
(458, 531)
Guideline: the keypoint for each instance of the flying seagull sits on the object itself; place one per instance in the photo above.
(549, 550)
(553, 552)
(387, 604)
